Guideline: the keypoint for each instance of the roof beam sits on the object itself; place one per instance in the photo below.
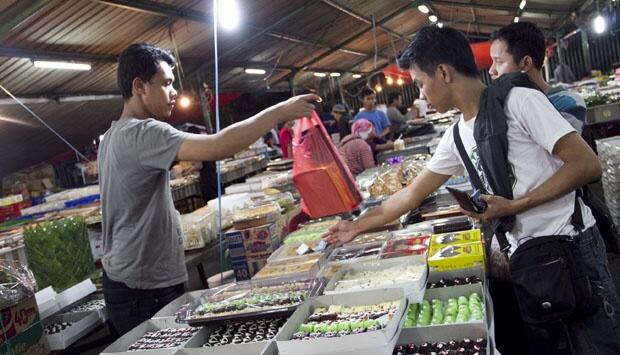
(359, 16)
(52, 55)
(537, 10)
(350, 39)
(159, 9)
(18, 13)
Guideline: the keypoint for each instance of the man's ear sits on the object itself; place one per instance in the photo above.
(445, 73)
(527, 63)
(138, 86)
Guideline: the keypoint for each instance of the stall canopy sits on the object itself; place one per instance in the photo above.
(289, 39)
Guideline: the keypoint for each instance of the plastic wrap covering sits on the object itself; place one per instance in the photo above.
(239, 301)
(73, 194)
(256, 215)
(199, 228)
(16, 283)
(323, 180)
(59, 253)
(609, 154)
(395, 176)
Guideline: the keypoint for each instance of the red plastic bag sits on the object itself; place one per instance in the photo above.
(321, 176)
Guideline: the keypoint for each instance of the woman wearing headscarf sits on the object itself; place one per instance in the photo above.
(356, 152)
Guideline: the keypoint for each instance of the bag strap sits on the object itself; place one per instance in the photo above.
(504, 246)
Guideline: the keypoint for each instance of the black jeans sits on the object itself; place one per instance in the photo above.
(128, 307)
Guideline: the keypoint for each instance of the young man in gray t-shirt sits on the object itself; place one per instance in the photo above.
(143, 262)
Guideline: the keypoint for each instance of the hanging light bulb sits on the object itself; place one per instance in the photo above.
(423, 9)
(228, 13)
(599, 24)
(356, 76)
(433, 18)
(378, 88)
(185, 102)
(516, 19)
(400, 81)
(389, 80)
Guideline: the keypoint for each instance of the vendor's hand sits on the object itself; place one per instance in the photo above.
(497, 206)
(341, 233)
(296, 107)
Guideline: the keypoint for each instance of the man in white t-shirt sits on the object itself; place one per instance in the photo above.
(548, 160)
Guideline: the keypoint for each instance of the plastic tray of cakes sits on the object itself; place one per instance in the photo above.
(155, 337)
(408, 273)
(356, 253)
(249, 301)
(367, 322)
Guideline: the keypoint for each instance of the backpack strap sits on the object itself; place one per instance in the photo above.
(498, 229)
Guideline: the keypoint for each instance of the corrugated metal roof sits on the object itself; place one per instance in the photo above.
(103, 28)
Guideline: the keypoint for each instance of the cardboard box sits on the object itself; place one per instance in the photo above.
(95, 239)
(202, 337)
(436, 275)
(122, 345)
(456, 238)
(456, 256)
(602, 113)
(46, 302)
(83, 323)
(18, 317)
(245, 268)
(250, 248)
(30, 341)
(75, 293)
(376, 343)
(102, 312)
(260, 240)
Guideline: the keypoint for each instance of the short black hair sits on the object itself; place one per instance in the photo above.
(523, 39)
(140, 60)
(367, 91)
(393, 96)
(433, 45)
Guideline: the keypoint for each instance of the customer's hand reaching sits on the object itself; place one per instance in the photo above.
(341, 233)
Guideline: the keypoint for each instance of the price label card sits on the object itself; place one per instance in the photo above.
(303, 249)
(322, 245)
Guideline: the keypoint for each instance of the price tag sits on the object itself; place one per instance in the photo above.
(303, 249)
(322, 245)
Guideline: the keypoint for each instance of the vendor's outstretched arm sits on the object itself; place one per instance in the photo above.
(400, 203)
(239, 136)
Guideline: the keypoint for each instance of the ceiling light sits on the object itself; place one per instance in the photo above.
(522, 4)
(389, 80)
(334, 74)
(400, 81)
(516, 19)
(599, 24)
(378, 88)
(255, 71)
(433, 18)
(61, 65)
(356, 76)
(185, 102)
(228, 14)
(319, 75)
(423, 9)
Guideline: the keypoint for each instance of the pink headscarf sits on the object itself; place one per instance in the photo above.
(361, 125)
